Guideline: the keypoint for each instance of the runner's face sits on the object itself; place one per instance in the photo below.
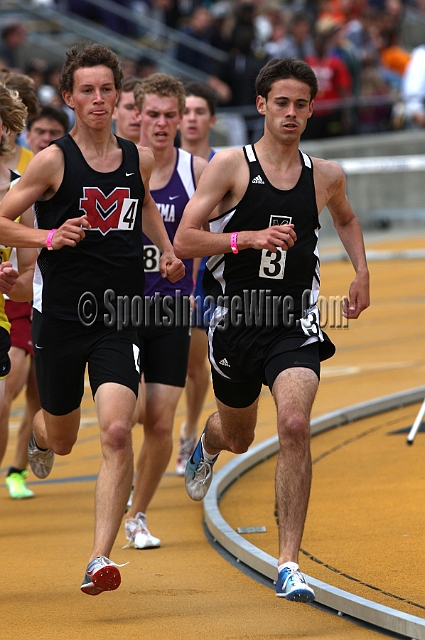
(94, 96)
(197, 120)
(125, 116)
(42, 132)
(287, 109)
(159, 121)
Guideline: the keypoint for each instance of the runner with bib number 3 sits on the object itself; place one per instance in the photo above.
(259, 256)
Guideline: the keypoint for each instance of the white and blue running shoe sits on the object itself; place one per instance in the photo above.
(199, 474)
(292, 585)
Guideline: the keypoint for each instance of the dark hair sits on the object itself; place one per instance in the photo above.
(51, 112)
(283, 69)
(300, 16)
(89, 55)
(10, 29)
(128, 85)
(201, 90)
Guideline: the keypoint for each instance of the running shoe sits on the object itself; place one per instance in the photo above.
(138, 534)
(41, 460)
(292, 585)
(101, 575)
(17, 487)
(198, 474)
(186, 448)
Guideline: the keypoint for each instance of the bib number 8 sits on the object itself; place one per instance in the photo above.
(151, 256)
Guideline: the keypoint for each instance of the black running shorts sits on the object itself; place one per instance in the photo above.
(240, 389)
(164, 347)
(63, 348)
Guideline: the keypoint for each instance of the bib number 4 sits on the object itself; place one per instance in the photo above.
(128, 214)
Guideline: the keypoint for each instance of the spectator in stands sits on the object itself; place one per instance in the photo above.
(36, 69)
(199, 28)
(394, 58)
(110, 20)
(240, 72)
(361, 32)
(278, 44)
(413, 88)
(335, 83)
(48, 89)
(13, 37)
(222, 25)
(300, 40)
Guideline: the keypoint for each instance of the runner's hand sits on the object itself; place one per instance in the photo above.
(70, 232)
(8, 277)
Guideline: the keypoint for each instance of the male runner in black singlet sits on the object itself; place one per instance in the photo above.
(263, 248)
(90, 189)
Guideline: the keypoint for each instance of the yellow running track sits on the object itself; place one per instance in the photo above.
(365, 518)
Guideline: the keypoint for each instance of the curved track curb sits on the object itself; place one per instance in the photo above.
(342, 601)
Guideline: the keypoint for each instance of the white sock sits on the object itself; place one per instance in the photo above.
(289, 565)
(207, 456)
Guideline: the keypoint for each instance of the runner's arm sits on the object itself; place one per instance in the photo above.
(350, 233)
(34, 183)
(22, 290)
(170, 266)
(218, 180)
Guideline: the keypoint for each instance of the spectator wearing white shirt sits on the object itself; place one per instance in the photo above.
(413, 88)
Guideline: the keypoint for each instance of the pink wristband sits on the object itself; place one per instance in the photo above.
(49, 239)
(234, 242)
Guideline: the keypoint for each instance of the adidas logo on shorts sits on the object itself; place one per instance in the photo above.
(224, 362)
(258, 180)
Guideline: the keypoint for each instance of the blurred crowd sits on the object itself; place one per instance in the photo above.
(369, 80)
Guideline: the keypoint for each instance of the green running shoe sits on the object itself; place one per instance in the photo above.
(17, 486)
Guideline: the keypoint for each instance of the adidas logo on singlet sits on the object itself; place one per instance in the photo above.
(258, 180)
(224, 362)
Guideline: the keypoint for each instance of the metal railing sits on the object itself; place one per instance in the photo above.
(67, 29)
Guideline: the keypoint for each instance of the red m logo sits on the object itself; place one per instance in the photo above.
(103, 212)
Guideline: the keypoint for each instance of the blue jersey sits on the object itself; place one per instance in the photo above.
(171, 201)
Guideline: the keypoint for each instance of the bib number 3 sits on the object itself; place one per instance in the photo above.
(272, 264)
(311, 324)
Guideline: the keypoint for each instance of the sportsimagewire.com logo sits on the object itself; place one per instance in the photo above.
(257, 308)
